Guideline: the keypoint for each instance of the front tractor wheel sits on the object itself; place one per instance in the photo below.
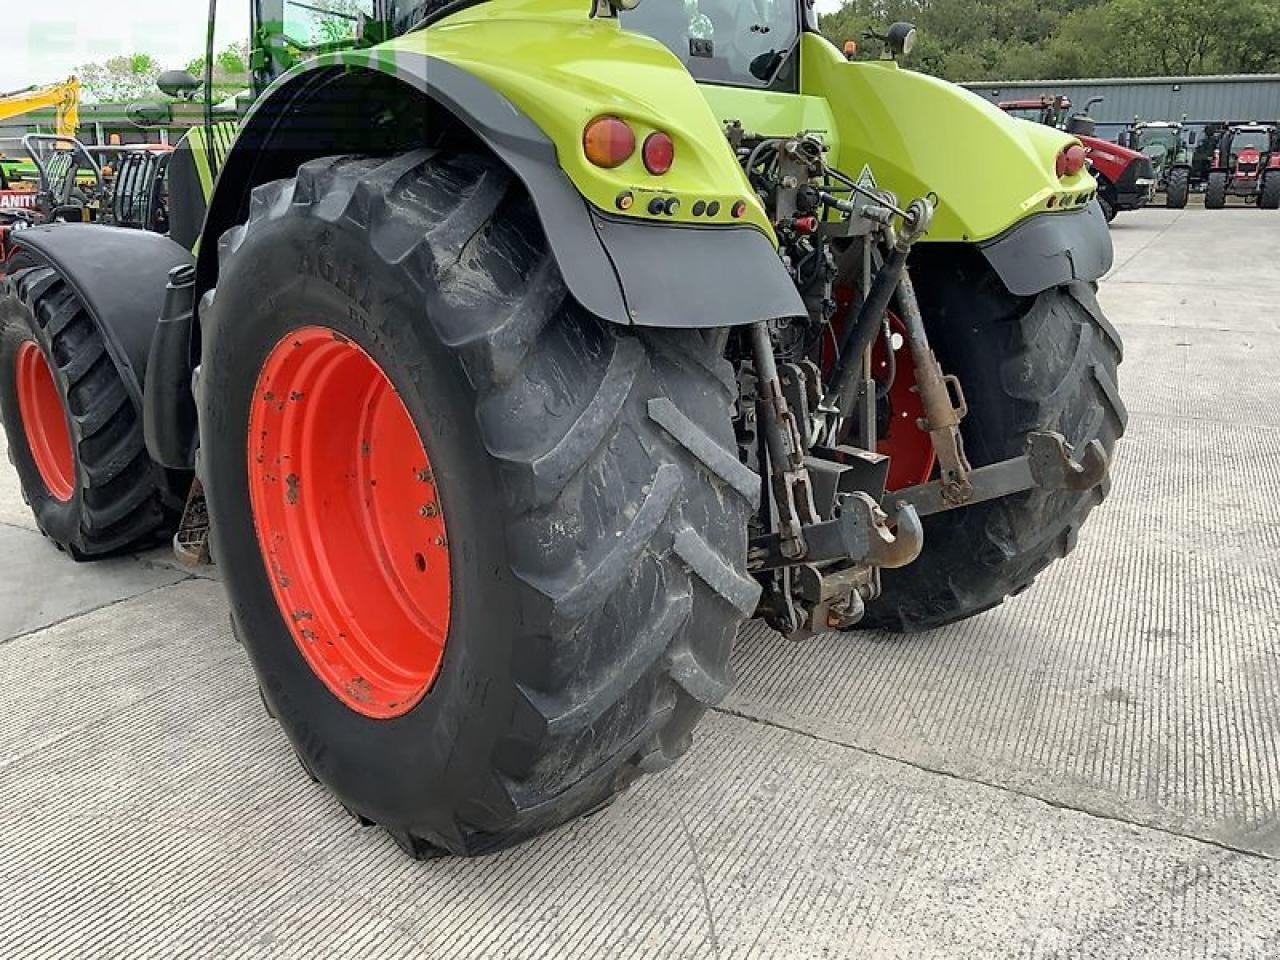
(1178, 188)
(1045, 363)
(74, 434)
(1270, 196)
(1215, 193)
(486, 552)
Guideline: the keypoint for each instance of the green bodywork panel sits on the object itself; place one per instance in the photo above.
(564, 69)
(917, 135)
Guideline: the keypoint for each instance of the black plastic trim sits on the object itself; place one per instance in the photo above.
(656, 263)
(1052, 249)
(120, 277)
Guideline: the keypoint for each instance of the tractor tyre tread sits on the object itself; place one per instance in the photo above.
(1215, 193)
(626, 531)
(1054, 369)
(122, 500)
(1177, 188)
(1270, 197)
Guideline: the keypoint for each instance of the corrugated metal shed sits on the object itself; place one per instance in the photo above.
(1201, 99)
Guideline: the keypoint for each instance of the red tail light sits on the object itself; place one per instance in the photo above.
(1217, 157)
(609, 142)
(1070, 161)
(659, 153)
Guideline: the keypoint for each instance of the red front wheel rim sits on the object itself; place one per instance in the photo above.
(349, 522)
(44, 419)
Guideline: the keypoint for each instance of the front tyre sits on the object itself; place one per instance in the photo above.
(1177, 188)
(75, 436)
(1037, 363)
(1215, 193)
(1270, 198)
(487, 552)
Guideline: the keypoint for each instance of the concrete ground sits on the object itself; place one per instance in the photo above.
(1091, 770)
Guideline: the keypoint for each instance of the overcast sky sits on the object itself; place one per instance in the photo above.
(45, 41)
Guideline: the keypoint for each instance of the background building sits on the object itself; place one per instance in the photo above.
(1202, 100)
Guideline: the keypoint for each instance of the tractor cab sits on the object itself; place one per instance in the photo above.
(1054, 111)
(1158, 139)
(1246, 148)
(1167, 144)
(1050, 111)
(1246, 163)
(749, 43)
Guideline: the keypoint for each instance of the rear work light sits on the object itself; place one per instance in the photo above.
(1070, 161)
(609, 142)
(659, 153)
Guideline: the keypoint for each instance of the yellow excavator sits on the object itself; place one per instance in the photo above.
(63, 97)
(65, 100)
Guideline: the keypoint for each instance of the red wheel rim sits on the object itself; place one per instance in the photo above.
(349, 522)
(910, 451)
(45, 421)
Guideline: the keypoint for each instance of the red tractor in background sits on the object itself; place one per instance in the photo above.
(1246, 163)
(1126, 178)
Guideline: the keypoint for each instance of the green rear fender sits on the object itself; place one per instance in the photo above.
(919, 135)
(563, 69)
(527, 77)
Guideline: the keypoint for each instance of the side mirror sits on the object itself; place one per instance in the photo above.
(150, 114)
(178, 84)
(901, 38)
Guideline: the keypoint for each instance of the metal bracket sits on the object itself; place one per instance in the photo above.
(1048, 464)
(862, 532)
(191, 542)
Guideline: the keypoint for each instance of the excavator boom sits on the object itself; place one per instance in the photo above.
(63, 97)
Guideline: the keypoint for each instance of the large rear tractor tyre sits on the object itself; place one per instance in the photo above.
(1215, 194)
(75, 436)
(1270, 198)
(1177, 188)
(1039, 363)
(487, 552)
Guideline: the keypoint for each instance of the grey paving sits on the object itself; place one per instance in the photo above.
(40, 586)
(13, 511)
(1091, 770)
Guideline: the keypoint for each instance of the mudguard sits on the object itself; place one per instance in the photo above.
(993, 175)
(120, 277)
(1050, 251)
(641, 268)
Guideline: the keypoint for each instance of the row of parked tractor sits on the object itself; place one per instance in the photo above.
(1228, 159)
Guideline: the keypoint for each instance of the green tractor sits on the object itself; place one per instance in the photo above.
(1168, 144)
(531, 347)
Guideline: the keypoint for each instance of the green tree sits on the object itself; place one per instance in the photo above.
(230, 69)
(120, 79)
(1058, 39)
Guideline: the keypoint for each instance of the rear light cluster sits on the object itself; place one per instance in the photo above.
(610, 142)
(1070, 161)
